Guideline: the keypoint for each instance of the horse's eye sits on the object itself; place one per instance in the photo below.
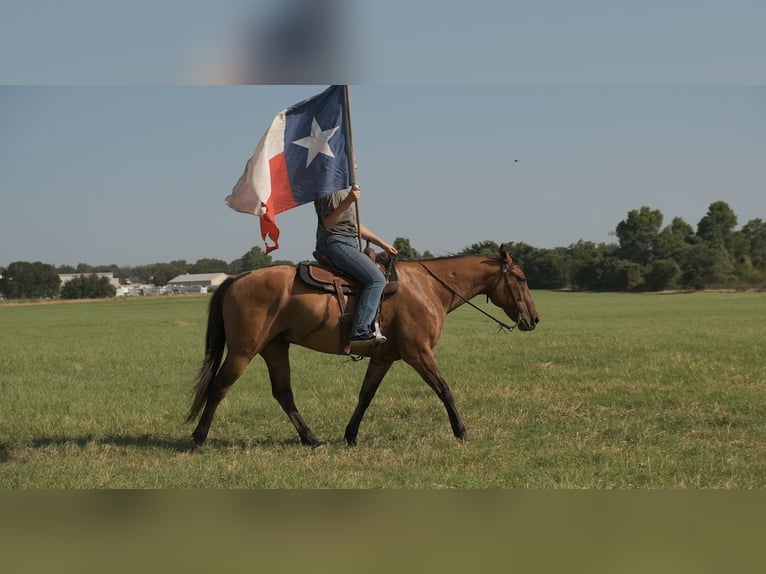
(522, 280)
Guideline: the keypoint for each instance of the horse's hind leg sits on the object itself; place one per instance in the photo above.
(277, 357)
(229, 372)
(376, 370)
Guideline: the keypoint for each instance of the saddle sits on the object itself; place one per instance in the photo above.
(323, 275)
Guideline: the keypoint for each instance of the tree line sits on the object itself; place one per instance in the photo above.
(646, 257)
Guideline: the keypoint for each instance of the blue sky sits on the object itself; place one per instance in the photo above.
(112, 149)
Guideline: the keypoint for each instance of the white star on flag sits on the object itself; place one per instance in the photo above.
(317, 142)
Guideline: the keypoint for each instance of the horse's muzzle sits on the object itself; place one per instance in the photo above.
(528, 323)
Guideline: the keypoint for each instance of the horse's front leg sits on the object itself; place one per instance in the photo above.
(376, 370)
(425, 364)
(277, 357)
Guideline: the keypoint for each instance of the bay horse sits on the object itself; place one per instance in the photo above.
(264, 311)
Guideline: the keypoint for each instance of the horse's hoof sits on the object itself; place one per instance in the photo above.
(351, 441)
(197, 441)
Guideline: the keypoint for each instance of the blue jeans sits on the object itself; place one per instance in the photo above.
(345, 255)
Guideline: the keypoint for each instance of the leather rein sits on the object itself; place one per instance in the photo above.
(502, 275)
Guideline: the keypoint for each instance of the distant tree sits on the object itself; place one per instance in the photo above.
(406, 251)
(521, 252)
(141, 273)
(253, 259)
(754, 233)
(487, 248)
(609, 273)
(661, 274)
(65, 269)
(717, 226)
(427, 255)
(546, 269)
(674, 238)
(30, 280)
(84, 268)
(209, 265)
(704, 265)
(638, 235)
(282, 262)
(87, 287)
(162, 273)
(586, 267)
(621, 275)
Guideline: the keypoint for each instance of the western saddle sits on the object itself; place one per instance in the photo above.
(323, 275)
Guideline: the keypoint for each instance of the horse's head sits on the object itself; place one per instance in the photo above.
(512, 295)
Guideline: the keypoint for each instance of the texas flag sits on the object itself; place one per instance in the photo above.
(301, 157)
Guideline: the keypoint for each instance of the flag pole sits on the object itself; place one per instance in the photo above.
(351, 158)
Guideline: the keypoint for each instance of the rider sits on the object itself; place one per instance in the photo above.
(336, 239)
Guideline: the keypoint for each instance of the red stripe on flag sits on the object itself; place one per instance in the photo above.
(281, 193)
(281, 199)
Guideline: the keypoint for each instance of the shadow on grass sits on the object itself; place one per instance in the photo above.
(143, 440)
(184, 444)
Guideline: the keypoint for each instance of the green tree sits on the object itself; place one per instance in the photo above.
(662, 274)
(583, 263)
(209, 265)
(621, 275)
(253, 259)
(23, 279)
(406, 251)
(487, 248)
(544, 268)
(754, 233)
(704, 265)
(87, 287)
(717, 226)
(523, 253)
(547, 269)
(164, 272)
(638, 235)
(674, 238)
(141, 273)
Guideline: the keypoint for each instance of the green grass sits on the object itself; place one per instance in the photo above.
(611, 391)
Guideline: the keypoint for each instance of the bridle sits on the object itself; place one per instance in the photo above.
(504, 273)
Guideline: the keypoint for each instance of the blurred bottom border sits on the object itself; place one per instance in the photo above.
(382, 531)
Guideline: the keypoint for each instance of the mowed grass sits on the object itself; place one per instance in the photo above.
(611, 391)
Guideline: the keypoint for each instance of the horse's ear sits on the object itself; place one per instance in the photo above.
(504, 256)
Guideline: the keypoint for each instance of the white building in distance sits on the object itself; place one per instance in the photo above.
(195, 282)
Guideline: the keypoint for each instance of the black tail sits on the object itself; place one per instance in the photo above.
(215, 343)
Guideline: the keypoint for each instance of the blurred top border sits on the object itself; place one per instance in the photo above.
(513, 42)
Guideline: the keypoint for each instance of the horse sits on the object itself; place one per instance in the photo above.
(264, 311)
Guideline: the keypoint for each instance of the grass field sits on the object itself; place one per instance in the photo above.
(611, 391)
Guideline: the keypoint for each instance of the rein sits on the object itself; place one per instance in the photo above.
(502, 325)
